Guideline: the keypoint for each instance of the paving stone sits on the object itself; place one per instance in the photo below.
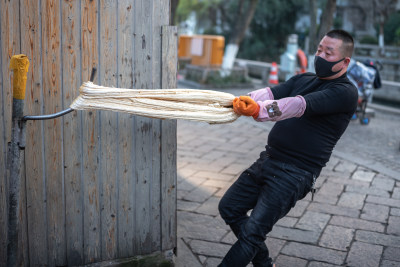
(235, 169)
(221, 192)
(396, 193)
(181, 194)
(321, 264)
(329, 193)
(334, 210)
(186, 185)
(202, 259)
(187, 205)
(357, 224)
(299, 209)
(314, 253)
(345, 167)
(329, 199)
(386, 263)
(329, 174)
(313, 221)
(337, 237)
(207, 151)
(185, 256)
(225, 161)
(345, 181)
(212, 262)
(199, 226)
(214, 176)
(364, 254)
(352, 200)
(287, 221)
(384, 201)
(331, 189)
(213, 155)
(368, 190)
(186, 172)
(204, 166)
(383, 182)
(180, 164)
(394, 225)
(392, 254)
(209, 207)
(333, 161)
(294, 234)
(210, 249)
(363, 175)
(274, 246)
(230, 238)
(216, 183)
(320, 181)
(395, 212)
(375, 212)
(378, 238)
(283, 260)
(200, 194)
(195, 180)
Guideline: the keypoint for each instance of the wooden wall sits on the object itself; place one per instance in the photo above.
(99, 185)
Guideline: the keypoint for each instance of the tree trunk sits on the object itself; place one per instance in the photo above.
(326, 19)
(237, 34)
(174, 7)
(312, 36)
(381, 38)
(383, 9)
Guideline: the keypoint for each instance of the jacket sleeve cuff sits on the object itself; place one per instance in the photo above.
(262, 94)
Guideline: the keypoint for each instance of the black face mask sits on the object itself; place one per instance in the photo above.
(323, 67)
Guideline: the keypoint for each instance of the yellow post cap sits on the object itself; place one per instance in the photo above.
(20, 65)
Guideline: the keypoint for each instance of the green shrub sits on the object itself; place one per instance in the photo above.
(368, 39)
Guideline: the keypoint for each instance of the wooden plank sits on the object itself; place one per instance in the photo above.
(9, 45)
(109, 131)
(160, 17)
(143, 128)
(35, 184)
(126, 122)
(23, 257)
(90, 134)
(168, 143)
(52, 94)
(4, 6)
(72, 123)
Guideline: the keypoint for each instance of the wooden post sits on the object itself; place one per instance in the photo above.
(19, 64)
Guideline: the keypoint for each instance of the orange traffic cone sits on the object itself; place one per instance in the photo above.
(273, 74)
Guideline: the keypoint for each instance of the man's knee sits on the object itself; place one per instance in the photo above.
(223, 208)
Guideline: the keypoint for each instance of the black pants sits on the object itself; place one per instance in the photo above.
(270, 188)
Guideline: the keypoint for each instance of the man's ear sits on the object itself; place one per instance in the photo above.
(347, 61)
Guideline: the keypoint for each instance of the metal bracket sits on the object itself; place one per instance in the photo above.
(58, 114)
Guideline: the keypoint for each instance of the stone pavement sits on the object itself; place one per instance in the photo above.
(354, 219)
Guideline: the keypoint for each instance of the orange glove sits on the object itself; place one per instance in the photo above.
(245, 105)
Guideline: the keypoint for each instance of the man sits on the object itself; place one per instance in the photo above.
(311, 112)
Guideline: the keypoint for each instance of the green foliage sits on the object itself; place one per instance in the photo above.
(368, 39)
(267, 35)
(392, 30)
(273, 21)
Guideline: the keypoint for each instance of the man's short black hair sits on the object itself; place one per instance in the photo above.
(347, 39)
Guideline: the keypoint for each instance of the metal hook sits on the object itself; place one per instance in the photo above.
(58, 114)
